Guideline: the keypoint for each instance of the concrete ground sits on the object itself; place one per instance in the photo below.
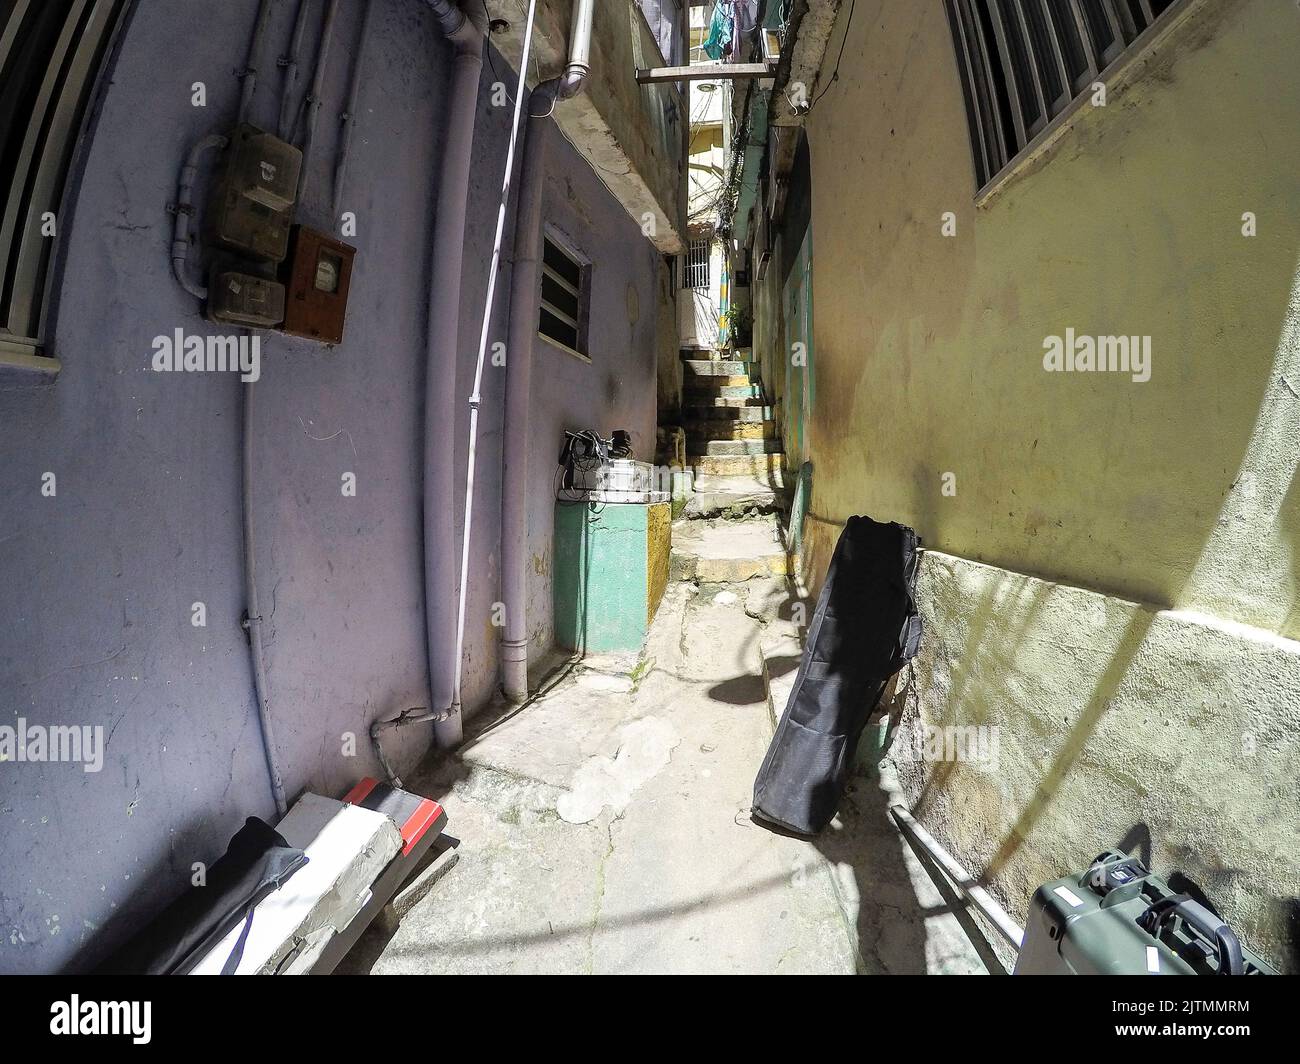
(605, 829)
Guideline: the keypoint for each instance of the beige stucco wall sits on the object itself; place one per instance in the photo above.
(1115, 723)
(930, 348)
(1176, 497)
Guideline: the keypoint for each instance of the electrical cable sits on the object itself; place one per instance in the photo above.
(835, 74)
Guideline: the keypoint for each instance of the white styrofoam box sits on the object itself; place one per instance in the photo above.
(347, 848)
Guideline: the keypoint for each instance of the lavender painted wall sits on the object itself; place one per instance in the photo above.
(96, 584)
(665, 19)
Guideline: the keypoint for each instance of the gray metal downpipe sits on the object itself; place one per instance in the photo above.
(468, 34)
(525, 285)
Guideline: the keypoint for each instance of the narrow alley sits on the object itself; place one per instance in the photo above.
(606, 823)
(605, 829)
(649, 487)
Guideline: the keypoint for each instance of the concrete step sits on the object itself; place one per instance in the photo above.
(699, 448)
(734, 497)
(748, 465)
(702, 393)
(717, 429)
(727, 552)
(718, 368)
(701, 405)
(712, 382)
(730, 413)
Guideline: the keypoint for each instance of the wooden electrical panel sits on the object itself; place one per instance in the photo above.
(317, 276)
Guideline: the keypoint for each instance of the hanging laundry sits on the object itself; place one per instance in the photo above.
(718, 42)
(744, 24)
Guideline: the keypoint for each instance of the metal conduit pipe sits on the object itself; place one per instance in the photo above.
(965, 883)
(248, 76)
(468, 35)
(254, 620)
(525, 284)
(183, 210)
(314, 94)
(451, 19)
(348, 119)
(290, 65)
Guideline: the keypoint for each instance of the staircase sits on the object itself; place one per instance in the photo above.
(730, 530)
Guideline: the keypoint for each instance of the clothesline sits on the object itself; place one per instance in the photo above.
(732, 29)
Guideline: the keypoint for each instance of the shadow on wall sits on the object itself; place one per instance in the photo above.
(1044, 809)
(157, 885)
(1185, 494)
(1251, 535)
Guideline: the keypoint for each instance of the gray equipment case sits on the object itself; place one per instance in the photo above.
(1118, 918)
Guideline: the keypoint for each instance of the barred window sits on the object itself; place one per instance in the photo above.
(563, 309)
(50, 54)
(1023, 62)
(697, 264)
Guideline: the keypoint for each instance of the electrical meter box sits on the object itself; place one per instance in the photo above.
(317, 278)
(236, 298)
(254, 196)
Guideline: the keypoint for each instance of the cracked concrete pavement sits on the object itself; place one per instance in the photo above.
(605, 829)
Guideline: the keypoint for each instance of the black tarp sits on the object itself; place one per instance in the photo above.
(864, 630)
(256, 863)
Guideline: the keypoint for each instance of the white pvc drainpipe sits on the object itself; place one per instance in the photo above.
(476, 397)
(467, 31)
(965, 883)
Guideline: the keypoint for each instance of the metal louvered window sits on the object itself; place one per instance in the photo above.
(50, 54)
(563, 309)
(1023, 62)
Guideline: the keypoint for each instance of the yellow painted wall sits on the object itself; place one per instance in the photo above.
(930, 349)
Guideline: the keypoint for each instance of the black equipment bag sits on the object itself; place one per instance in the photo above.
(864, 630)
(257, 863)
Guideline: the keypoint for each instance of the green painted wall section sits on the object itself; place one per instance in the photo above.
(755, 147)
(610, 573)
(800, 371)
(1179, 492)
(784, 332)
